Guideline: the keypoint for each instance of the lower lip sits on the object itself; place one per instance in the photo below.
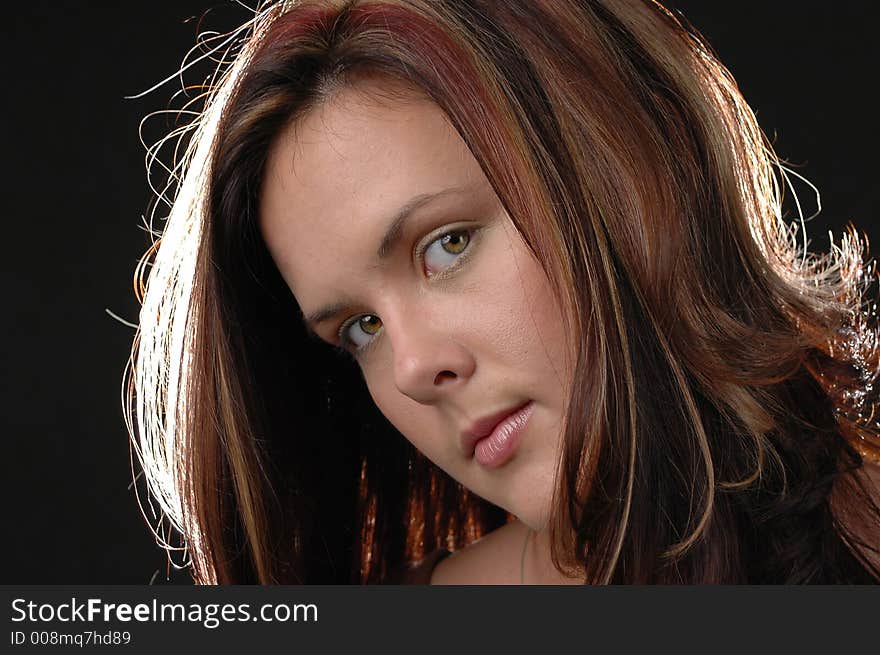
(498, 447)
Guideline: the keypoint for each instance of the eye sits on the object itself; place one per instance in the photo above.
(439, 256)
(441, 253)
(359, 331)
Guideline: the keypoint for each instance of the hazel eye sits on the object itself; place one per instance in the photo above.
(443, 252)
(361, 330)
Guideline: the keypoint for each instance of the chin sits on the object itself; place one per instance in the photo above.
(529, 506)
(535, 517)
(526, 492)
(532, 494)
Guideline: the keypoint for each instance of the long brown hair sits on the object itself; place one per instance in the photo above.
(724, 396)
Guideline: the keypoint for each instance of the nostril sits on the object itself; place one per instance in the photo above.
(444, 375)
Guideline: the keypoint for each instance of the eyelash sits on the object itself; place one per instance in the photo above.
(347, 345)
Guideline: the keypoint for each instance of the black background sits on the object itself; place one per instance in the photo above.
(74, 189)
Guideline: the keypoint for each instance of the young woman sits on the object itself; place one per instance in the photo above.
(508, 279)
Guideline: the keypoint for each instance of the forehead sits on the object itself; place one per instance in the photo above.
(334, 179)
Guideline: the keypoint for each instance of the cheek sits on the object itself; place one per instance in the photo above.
(520, 308)
(401, 411)
(548, 314)
(542, 324)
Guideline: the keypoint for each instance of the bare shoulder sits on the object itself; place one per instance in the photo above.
(494, 559)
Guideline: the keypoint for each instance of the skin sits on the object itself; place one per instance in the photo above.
(469, 329)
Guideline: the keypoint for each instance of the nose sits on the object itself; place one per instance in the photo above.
(428, 361)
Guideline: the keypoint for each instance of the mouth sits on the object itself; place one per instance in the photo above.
(492, 441)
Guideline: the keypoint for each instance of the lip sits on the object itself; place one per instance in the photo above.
(493, 439)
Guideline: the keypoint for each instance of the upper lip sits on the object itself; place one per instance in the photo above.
(484, 427)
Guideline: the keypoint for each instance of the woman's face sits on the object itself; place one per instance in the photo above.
(392, 239)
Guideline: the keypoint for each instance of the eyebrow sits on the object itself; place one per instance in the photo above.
(386, 245)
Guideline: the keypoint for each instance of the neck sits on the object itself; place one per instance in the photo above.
(537, 565)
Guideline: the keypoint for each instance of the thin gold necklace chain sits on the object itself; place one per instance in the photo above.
(522, 558)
